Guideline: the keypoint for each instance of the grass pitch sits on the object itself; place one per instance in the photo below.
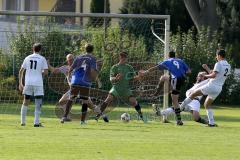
(117, 140)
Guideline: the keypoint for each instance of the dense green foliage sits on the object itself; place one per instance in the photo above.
(175, 8)
(97, 6)
(229, 12)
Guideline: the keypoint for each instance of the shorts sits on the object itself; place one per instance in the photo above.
(31, 90)
(194, 105)
(211, 90)
(84, 92)
(176, 84)
(123, 94)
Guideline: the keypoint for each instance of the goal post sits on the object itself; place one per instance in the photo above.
(144, 36)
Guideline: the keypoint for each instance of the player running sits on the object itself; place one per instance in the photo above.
(34, 66)
(178, 70)
(194, 106)
(214, 87)
(120, 76)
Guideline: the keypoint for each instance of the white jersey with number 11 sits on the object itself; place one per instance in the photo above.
(34, 65)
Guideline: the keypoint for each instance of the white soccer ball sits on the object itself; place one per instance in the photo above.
(125, 117)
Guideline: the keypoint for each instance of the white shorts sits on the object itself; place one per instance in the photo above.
(33, 90)
(194, 105)
(211, 90)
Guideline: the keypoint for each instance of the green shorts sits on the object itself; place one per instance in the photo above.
(121, 93)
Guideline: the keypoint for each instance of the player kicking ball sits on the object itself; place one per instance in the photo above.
(120, 76)
(34, 66)
(194, 106)
(214, 87)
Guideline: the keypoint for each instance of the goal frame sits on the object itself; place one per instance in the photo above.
(165, 41)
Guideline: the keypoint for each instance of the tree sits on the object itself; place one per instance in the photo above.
(175, 8)
(98, 6)
(203, 13)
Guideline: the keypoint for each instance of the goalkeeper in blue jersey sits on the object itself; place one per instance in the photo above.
(81, 73)
(178, 70)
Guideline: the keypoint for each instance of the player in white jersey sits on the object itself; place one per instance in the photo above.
(214, 87)
(194, 106)
(34, 67)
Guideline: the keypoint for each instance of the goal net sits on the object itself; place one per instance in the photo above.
(144, 37)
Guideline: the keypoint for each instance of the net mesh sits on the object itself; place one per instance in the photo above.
(62, 35)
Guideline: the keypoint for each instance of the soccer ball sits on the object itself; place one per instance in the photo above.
(125, 117)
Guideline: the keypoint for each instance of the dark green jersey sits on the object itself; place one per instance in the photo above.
(121, 87)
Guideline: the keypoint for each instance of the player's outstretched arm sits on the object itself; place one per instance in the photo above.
(53, 69)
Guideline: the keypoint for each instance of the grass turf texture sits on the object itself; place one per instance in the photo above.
(117, 140)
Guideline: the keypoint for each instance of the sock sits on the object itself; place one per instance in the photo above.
(177, 113)
(168, 111)
(84, 111)
(23, 114)
(38, 105)
(201, 120)
(68, 108)
(138, 109)
(210, 116)
(185, 102)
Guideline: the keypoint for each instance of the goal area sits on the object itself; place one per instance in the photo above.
(144, 37)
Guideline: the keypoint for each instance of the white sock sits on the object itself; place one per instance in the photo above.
(23, 114)
(167, 111)
(210, 116)
(38, 105)
(185, 102)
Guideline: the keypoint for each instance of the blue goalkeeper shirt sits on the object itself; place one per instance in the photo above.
(82, 67)
(175, 66)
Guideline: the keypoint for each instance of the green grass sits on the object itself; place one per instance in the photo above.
(117, 140)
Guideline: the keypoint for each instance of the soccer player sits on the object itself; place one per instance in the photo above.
(64, 70)
(194, 106)
(120, 76)
(214, 87)
(34, 66)
(81, 72)
(178, 70)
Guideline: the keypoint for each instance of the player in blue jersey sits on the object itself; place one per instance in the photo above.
(178, 70)
(81, 73)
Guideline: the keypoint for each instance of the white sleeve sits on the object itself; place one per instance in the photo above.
(45, 65)
(24, 64)
(217, 67)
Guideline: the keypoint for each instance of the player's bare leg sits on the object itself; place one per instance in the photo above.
(104, 105)
(207, 104)
(160, 84)
(137, 107)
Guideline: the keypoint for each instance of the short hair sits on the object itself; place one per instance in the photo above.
(37, 47)
(221, 53)
(89, 48)
(172, 54)
(123, 54)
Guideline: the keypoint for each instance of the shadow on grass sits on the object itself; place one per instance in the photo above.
(49, 111)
